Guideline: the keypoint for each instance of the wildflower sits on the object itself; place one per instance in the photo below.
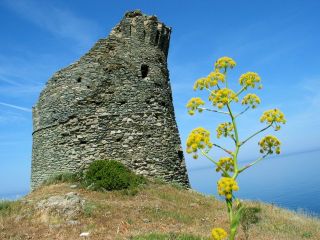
(212, 80)
(222, 97)
(194, 104)
(251, 99)
(225, 163)
(218, 234)
(270, 144)
(250, 79)
(224, 62)
(199, 138)
(225, 129)
(274, 117)
(225, 187)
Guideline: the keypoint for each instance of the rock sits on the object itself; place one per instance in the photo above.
(85, 234)
(73, 222)
(68, 205)
(146, 220)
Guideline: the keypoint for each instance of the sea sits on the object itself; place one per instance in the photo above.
(290, 181)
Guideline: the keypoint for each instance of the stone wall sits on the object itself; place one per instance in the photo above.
(113, 103)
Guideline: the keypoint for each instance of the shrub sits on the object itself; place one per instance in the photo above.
(111, 175)
(250, 216)
(6, 207)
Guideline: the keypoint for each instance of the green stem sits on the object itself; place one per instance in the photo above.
(226, 150)
(230, 213)
(255, 134)
(212, 110)
(233, 231)
(241, 90)
(247, 108)
(207, 156)
(253, 163)
(235, 154)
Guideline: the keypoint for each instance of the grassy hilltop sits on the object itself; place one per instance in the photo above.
(151, 211)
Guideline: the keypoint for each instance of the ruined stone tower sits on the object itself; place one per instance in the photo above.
(113, 103)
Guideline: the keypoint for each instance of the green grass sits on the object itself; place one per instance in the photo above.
(6, 207)
(63, 177)
(168, 214)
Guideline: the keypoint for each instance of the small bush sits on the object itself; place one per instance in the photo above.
(250, 216)
(6, 207)
(111, 175)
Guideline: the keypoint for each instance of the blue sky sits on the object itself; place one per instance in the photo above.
(277, 39)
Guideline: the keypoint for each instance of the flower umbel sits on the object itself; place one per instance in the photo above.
(194, 104)
(199, 138)
(222, 97)
(225, 187)
(249, 79)
(224, 63)
(251, 99)
(225, 129)
(218, 234)
(273, 116)
(212, 80)
(225, 163)
(270, 144)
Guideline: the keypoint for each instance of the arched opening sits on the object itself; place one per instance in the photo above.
(144, 70)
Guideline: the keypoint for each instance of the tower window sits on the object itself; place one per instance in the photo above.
(157, 37)
(144, 70)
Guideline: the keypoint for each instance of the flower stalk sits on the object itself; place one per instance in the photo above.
(199, 139)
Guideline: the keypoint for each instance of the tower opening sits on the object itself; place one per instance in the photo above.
(144, 70)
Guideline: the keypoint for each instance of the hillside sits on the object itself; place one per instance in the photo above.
(64, 211)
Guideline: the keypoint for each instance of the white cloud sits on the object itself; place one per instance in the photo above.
(59, 22)
(15, 107)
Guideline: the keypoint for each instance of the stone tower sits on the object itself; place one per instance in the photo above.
(113, 103)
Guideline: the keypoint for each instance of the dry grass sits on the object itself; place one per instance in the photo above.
(156, 208)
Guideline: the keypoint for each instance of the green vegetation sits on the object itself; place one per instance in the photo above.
(102, 175)
(63, 177)
(157, 211)
(111, 175)
(222, 99)
(250, 216)
(5, 207)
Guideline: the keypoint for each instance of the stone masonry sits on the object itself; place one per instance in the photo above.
(113, 103)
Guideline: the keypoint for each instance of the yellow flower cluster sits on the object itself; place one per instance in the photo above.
(224, 63)
(249, 79)
(199, 138)
(224, 129)
(269, 144)
(210, 81)
(225, 163)
(273, 116)
(194, 104)
(222, 96)
(225, 187)
(218, 234)
(251, 99)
